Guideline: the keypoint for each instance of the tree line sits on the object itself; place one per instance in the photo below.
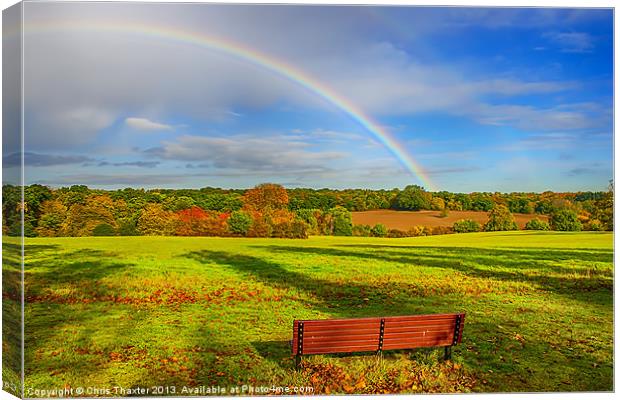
(270, 210)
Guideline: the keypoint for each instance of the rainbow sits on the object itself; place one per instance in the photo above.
(262, 60)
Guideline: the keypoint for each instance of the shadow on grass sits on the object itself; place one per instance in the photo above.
(530, 266)
(338, 299)
(335, 298)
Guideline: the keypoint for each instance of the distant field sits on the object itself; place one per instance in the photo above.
(404, 220)
(144, 311)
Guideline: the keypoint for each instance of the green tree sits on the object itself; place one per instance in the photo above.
(342, 221)
(104, 230)
(127, 227)
(413, 198)
(537, 225)
(500, 219)
(565, 219)
(466, 226)
(239, 222)
(605, 208)
(174, 203)
(309, 218)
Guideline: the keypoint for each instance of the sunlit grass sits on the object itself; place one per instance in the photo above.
(147, 311)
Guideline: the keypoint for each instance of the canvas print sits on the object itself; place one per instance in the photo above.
(236, 199)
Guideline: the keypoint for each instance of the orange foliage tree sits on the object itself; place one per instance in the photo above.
(266, 198)
(195, 221)
(267, 205)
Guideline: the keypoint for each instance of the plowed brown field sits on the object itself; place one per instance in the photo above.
(404, 220)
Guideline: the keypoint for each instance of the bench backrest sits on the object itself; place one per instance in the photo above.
(375, 334)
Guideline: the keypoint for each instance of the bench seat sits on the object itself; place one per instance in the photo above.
(352, 335)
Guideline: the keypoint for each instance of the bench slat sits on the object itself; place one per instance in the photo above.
(416, 344)
(362, 334)
(339, 349)
(318, 338)
(436, 332)
(395, 318)
(343, 325)
(339, 331)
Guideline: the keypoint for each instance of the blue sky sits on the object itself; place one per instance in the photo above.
(483, 99)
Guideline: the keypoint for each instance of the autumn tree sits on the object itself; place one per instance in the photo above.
(53, 215)
(195, 221)
(605, 208)
(83, 218)
(266, 198)
(154, 221)
(500, 219)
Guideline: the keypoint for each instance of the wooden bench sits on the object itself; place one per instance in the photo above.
(325, 336)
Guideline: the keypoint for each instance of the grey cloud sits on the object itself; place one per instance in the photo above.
(561, 117)
(250, 153)
(582, 171)
(141, 164)
(42, 160)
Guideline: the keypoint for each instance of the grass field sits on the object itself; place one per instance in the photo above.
(147, 311)
(405, 220)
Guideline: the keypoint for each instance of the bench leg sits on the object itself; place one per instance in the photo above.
(447, 354)
(297, 362)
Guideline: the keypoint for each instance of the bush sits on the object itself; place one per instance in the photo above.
(416, 231)
(441, 230)
(104, 230)
(379, 230)
(239, 223)
(500, 219)
(594, 225)
(565, 220)
(362, 230)
(299, 230)
(466, 226)
(396, 233)
(537, 225)
(292, 229)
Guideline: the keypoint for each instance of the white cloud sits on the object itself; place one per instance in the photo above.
(571, 42)
(118, 73)
(144, 124)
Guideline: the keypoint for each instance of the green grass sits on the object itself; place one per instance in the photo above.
(177, 311)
